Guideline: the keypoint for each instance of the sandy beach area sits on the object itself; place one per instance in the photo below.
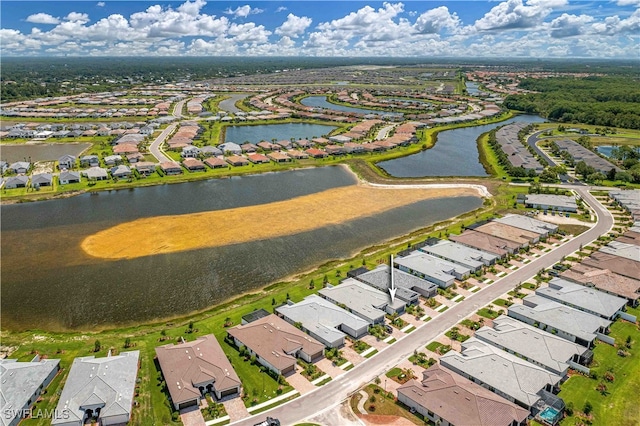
(170, 234)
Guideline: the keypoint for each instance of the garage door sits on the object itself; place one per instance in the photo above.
(188, 404)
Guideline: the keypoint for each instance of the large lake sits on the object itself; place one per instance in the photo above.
(40, 152)
(267, 132)
(320, 101)
(48, 282)
(454, 154)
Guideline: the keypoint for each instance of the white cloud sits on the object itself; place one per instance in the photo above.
(613, 25)
(569, 25)
(81, 18)
(100, 4)
(435, 20)
(628, 2)
(293, 26)
(514, 14)
(243, 11)
(281, 9)
(42, 18)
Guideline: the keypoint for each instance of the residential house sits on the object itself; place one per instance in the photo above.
(100, 389)
(121, 172)
(439, 271)
(215, 162)
(41, 179)
(22, 385)
(125, 149)
(317, 153)
(95, 173)
(447, 398)
(606, 281)
(193, 165)
(485, 242)
(170, 168)
(89, 161)
(620, 249)
(19, 181)
(67, 177)
(468, 257)
(505, 374)
(248, 148)
(520, 236)
(539, 347)
(192, 369)
(190, 151)
(112, 160)
(20, 167)
(237, 161)
(276, 344)
(210, 151)
(279, 157)
(409, 287)
(230, 148)
(258, 158)
(583, 298)
(562, 203)
(145, 167)
(569, 323)
(528, 224)
(620, 265)
(134, 157)
(363, 300)
(323, 320)
(67, 162)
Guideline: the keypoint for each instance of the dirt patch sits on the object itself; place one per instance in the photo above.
(170, 234)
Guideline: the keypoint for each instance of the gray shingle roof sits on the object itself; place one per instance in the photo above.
(20, 380)
(548, 350)
(108, 381)
(461, 254)
(583, 298)
(322, 317)
(626, 250)
(431, 266)
(503, 371)
(528, 223)
(408, 285)
(561, 317)
(361, 299)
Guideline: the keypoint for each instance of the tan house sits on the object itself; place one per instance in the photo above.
(276, 344)
(192, 369)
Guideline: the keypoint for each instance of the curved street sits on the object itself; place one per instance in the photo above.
(334, 392)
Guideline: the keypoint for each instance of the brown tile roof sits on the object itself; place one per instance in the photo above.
(237, 160)
(485, 242)
(630, 237)
(316, 152)
(169, 165)
(125, 148)
(278, 156)
(214, 162)
(604, 280)
(191, 163)
(258, 158)
(460, 401)
(620, 265)
(190, 363)
(274, 340)
(508, 232)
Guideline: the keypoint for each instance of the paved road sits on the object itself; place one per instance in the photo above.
(178, 107)
(229, 105)
(531, 141)
(384, 132)
(154, 148)
(335, 391)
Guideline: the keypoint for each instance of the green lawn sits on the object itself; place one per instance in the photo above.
(502, 302)
(619, 405)
(484, 312)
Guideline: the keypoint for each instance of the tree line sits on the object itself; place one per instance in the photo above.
(602, 101)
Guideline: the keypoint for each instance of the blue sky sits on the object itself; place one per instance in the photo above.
(502, 28)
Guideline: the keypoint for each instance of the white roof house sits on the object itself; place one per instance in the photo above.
(323, 320)
(528, 224)
(584, 298)
(511, 377)
(472, 258)
(100, 387)
(569, 323)
(629, 251)
(431, 268)
(362, 300)
(547, 350)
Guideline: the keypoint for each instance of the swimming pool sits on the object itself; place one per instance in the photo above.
(549, 415)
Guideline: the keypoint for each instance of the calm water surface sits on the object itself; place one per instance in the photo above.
(48, 282)
(267, 132)
(454, 154)
(40, 152)
(321, 102)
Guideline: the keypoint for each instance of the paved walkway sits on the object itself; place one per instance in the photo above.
(330, 369)
(362, 401)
